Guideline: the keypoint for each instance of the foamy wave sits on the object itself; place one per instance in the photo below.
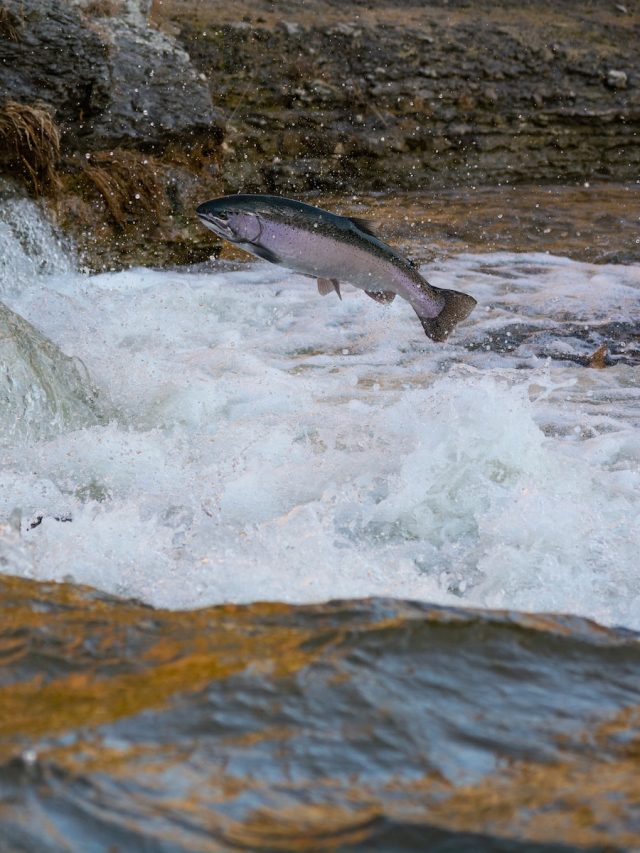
(271, 444)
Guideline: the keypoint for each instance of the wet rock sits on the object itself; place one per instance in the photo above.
(109, 79)
(42, 391)
(497, 736)
(155, 92)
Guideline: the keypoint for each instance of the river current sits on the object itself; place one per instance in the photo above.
(225, 436)
(240, 438)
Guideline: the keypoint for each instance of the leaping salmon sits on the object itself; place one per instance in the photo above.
(332, 249)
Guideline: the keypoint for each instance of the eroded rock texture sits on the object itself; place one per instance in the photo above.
(110, 79)
(422, 95)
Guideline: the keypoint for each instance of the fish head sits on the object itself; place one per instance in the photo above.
(230, 219)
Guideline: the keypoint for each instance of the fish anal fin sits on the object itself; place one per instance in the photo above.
(386, 297)
(327, 285)
(364, 225)
(457, 306)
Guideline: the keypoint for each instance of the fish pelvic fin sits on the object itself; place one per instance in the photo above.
(386, 297)
(457, 306)
(327, 285)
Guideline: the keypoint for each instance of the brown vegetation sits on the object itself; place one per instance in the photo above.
(130, 186)
(30, 143)
(10, 24)
(102, 8)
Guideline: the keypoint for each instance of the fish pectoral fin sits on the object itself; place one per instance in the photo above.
(386, 297)
(327, 285)
(264, 253)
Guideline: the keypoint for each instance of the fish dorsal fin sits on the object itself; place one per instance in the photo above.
(364, 225)
(327, 285)
(384, 296)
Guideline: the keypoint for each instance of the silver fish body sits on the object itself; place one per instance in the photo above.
(332, 248)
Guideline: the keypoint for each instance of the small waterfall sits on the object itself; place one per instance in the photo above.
(42, 391)
(29, 245)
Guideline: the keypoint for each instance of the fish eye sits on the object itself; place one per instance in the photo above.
(222, 215)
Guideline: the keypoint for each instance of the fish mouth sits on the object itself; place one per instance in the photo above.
(218, 226)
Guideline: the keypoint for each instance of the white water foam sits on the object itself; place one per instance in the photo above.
(29, 246)
(271, 444)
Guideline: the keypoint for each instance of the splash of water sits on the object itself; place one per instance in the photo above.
(273, 445)
(29, 246)
(42, 391)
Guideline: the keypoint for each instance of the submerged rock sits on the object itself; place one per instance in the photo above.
(42, 390)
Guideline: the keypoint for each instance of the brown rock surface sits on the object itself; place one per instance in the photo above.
(383, 95)
(364, 725)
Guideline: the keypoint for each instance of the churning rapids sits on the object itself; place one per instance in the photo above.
(226, 435)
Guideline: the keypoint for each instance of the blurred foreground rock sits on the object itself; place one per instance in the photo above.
(362, 725)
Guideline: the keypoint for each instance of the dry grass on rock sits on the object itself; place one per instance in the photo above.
(130, 186)
(10, 24)
(30, 144)
(102, 8)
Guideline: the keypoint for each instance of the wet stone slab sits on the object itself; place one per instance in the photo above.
(368, 725)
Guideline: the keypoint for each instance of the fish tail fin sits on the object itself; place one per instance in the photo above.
(457, 306)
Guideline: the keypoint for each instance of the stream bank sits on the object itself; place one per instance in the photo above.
(148, 109)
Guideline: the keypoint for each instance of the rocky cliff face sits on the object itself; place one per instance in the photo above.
(159, 105)
(107, 116)
(419, 96)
